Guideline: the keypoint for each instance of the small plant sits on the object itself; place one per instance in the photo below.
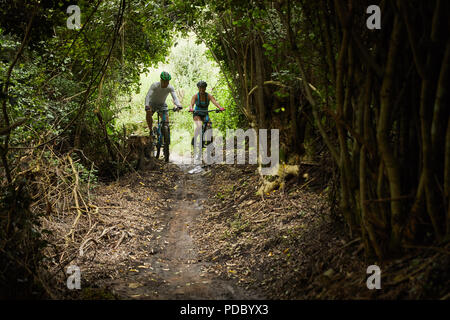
(238, 226)
(220, 196)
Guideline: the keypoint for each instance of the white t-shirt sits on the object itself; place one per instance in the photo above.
(156, 95)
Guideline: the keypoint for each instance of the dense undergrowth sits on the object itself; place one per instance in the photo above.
(367, 105)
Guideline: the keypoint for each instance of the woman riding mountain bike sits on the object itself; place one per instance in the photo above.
(201, 101)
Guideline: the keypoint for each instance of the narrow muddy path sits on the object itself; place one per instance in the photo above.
(173, 269)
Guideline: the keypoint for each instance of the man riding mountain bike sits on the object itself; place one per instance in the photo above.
(201, 101)
(155, 101)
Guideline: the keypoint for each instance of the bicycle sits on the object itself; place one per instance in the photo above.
(161, 135)
(207, 125)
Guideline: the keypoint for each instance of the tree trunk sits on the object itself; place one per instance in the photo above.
(390, 162)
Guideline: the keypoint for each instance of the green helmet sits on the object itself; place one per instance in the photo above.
(165, 76)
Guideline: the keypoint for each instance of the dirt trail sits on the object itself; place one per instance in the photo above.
(174, 270)
(174, 232)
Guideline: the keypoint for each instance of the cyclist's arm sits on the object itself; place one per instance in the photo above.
(213, 100)
(149, 95)
(174, 97)
(194, 97)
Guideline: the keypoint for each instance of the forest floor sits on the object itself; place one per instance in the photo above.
(181, 232)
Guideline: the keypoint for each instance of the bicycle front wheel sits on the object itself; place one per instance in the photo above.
(166, 137)
(157, 150)
(155, 146)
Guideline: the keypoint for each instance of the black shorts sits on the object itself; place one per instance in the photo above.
(200, 114)
(163, 108)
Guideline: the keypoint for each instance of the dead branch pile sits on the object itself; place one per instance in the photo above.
(60, 188)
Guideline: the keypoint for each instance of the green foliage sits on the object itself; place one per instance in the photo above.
(56, 82)
(59, 80)
(188, 63)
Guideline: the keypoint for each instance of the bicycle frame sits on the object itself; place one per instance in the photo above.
(207, 124)
(162, 138)
(162, 116)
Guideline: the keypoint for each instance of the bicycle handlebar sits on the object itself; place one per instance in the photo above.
(174, 109)
(207, 111)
